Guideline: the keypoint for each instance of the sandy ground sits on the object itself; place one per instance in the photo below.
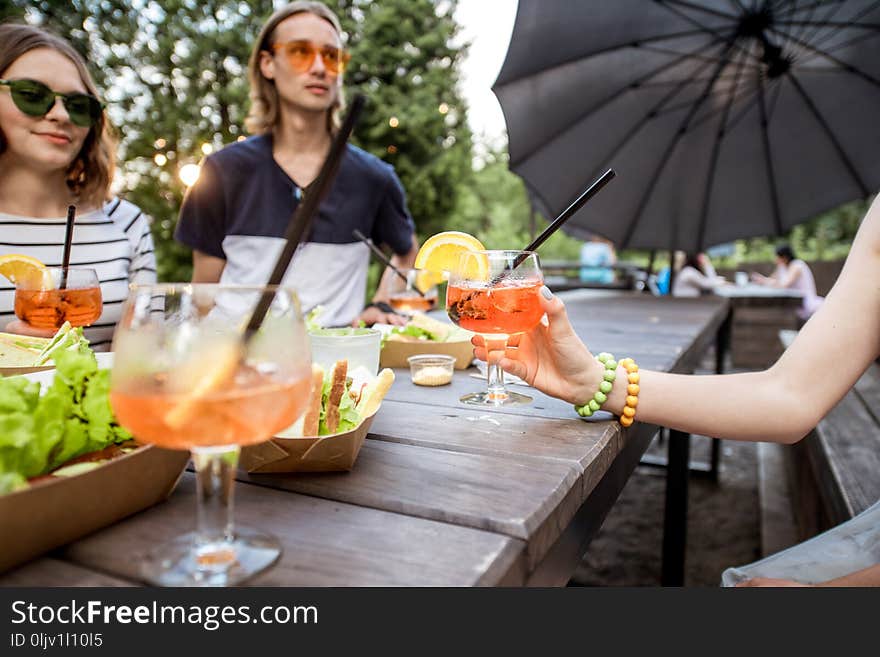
(723, 524)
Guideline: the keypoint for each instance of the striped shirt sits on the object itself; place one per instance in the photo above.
(115, 241)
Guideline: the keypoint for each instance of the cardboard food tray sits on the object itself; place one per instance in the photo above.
(29, 369)
(307, 454)
(51, 513)
(395, 352)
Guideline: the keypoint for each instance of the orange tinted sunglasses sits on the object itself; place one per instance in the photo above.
(301, 55)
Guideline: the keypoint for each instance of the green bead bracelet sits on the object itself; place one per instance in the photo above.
(601, 395)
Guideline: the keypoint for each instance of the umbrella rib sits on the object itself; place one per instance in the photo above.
(643, 202)
(649, 115)
(830, 134)
(786, 41)
(768, 160)
(811, 7)
(692, 80)
(730, 39)
(847, 67)
(851, 24)
(705, 10)
(608, 99)
(664, 51)
(716, 150)
(834, 48)
(827, 17)
(774, 101)
(860, 26)
(617, 46)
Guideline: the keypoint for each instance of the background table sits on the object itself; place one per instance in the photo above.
(444, 494)
(758, 313)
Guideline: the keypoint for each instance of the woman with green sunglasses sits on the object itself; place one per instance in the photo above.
(56, 150)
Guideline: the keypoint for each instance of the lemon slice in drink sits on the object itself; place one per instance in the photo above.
(209, 370)
(426, 279)
(24, 270)
(441, 252)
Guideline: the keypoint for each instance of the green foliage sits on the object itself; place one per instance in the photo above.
(494, 206)
(404, 61)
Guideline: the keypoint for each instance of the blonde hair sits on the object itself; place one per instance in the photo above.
(264, 111)
(91, 172)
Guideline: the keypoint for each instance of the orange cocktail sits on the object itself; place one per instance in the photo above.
(187, 375)
(495, 294)
(413, 290)
(506, 308)
(73, 296)
(408, 302)
(247, 409)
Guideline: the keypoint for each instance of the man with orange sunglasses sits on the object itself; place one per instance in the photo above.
(234, 217)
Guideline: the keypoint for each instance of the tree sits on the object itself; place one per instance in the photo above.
(405, 60)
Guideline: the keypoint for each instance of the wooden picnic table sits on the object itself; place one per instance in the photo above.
(758, 313)
(443, 494)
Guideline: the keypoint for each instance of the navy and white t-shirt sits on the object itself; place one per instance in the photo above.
(115, 241)
(240, 207)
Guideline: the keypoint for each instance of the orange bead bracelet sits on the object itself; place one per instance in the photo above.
(627, 417)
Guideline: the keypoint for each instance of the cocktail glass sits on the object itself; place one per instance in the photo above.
(72, 295)
(417, 294)
(488, 295)
(186, 377)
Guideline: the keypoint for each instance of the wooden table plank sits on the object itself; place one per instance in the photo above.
(325, 543)
(464, 429)
(528, 499)
(49, 571)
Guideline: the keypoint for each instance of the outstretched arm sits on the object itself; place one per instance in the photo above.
(866, 577)
(780, 404)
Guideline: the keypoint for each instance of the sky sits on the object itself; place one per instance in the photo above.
(487, 25)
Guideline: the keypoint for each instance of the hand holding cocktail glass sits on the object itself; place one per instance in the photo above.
(491, 297)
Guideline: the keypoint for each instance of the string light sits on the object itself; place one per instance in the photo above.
(393, 122)
(443, 109)
(207, 149)
(189, 174)
(160, 159)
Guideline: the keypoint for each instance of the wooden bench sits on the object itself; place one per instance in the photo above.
(835, 471)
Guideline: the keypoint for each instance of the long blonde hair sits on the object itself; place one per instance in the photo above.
(91, 172)
(264, 111)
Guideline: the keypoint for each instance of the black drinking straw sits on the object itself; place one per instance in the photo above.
(567, 214)
(382, 258)
(68, 240)
(305, 212)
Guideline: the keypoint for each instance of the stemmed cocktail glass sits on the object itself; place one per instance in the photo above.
(186, 377)
(63, 295)
(495, 294)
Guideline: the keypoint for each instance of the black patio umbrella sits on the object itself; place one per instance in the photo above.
(724, 119)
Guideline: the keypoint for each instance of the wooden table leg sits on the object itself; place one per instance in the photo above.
(675, 513)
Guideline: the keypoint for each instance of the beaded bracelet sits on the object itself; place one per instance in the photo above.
(601, 395)
(632, 391)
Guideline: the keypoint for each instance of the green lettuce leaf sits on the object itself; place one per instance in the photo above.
(73, 417)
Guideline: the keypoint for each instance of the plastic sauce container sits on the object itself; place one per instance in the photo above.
(431, 369)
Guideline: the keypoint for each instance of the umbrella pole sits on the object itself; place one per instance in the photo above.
(671, 269)
(651, 259)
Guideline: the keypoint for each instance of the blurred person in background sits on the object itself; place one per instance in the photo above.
(234, 218)
(695, 276)
(597, 257)
(793, 273)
